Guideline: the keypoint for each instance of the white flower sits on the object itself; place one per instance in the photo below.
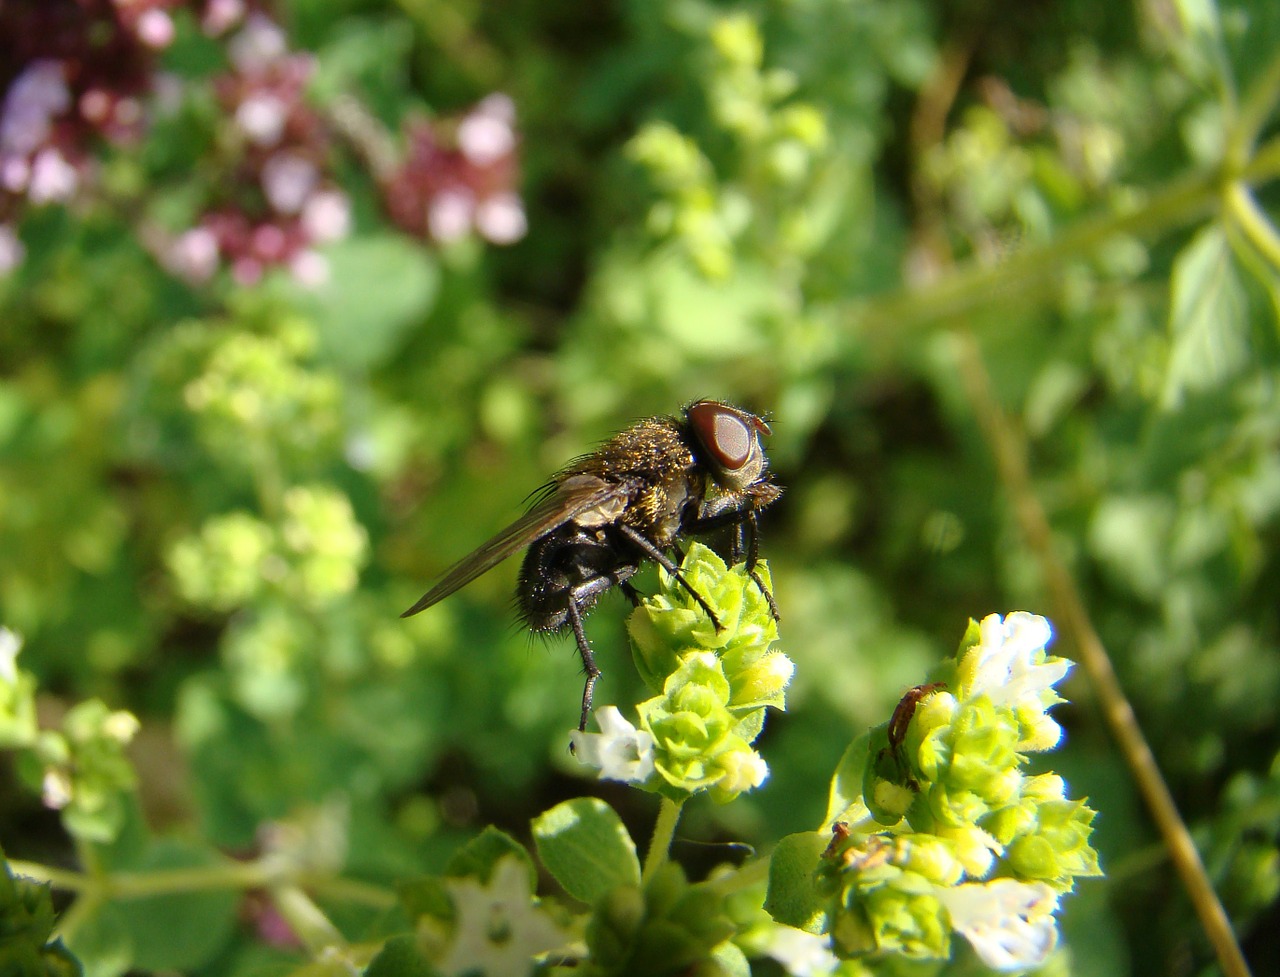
(801, 954)
(55, 789)
(449, 215)
(310, 269)
(287, 180)
(619, 750)
(1009, 923)
(258, 44)
(500, 218)
(742, 771)
(498, 929)
(155, 28)
(10, 645)
(221, 15)
(262, 117)
(1009, 665)
(194, 255)
(326, 216)
(486, 134)
(52, 177)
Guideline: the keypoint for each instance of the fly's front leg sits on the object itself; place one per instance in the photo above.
(664, 561)
(753, 557)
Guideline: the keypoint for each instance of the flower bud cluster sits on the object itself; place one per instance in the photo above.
(713, 685)
(262, 394)
(80, 770)
(945, 775)
(780, 140)
(312, 555)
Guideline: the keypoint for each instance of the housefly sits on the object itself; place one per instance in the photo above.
(631, 500)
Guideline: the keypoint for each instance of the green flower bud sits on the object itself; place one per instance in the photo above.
(737, 40)
(17, 695)
(763, 683)
(1059, 849)
(223, 566)
(890, 910)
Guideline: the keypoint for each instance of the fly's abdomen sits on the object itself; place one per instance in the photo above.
(571, 565)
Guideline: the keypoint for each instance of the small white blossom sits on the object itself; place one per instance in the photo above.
(310, 269)
(500, 218)
(449, 215)
(742, 771)
(287, 181)
(801, 954)
(498, 930)
(1009, 666)
(194, 255)
(257, 45)
(10, 645)
(487, 133)
(155, 28)
(619, 750)
(1010, 924)
(220, 16)
(261, 118)
(55, 789)
(52, 177)
(326, 216)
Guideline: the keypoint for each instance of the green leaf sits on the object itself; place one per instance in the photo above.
(477, 858)
(379, 287)
(179, 930)
(1209, 317)
(846, 782)
(400, 957)
(794, 897)
(585, 846)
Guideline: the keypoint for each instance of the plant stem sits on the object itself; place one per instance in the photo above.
(1011, 461)
(976, 286)
(663, 831)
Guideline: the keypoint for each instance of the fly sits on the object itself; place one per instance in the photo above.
(630, 501)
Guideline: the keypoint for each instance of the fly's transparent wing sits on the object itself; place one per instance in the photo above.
(581, 496)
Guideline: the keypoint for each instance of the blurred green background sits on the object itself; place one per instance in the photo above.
(217, 492)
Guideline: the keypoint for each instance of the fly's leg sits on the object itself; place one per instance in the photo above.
(631, 593)
(752, 529)
(588, 660)
(664, 561)
(579, 597)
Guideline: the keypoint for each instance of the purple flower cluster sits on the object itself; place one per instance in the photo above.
(75, 74)
(72, 72)
(460, 175)
(279, 200)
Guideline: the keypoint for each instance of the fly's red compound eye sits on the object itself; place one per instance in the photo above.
(728, 435)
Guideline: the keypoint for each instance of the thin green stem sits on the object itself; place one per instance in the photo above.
(1257, 106)
(663, 831)
(1254, 223)
(307, 921)
(1035, 272)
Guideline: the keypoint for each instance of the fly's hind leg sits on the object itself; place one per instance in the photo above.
(588, 659)
(583, 596)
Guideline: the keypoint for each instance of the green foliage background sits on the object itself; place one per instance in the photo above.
(214, 504)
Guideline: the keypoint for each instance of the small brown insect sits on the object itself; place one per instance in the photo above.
(905, 709)
(629, 501)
